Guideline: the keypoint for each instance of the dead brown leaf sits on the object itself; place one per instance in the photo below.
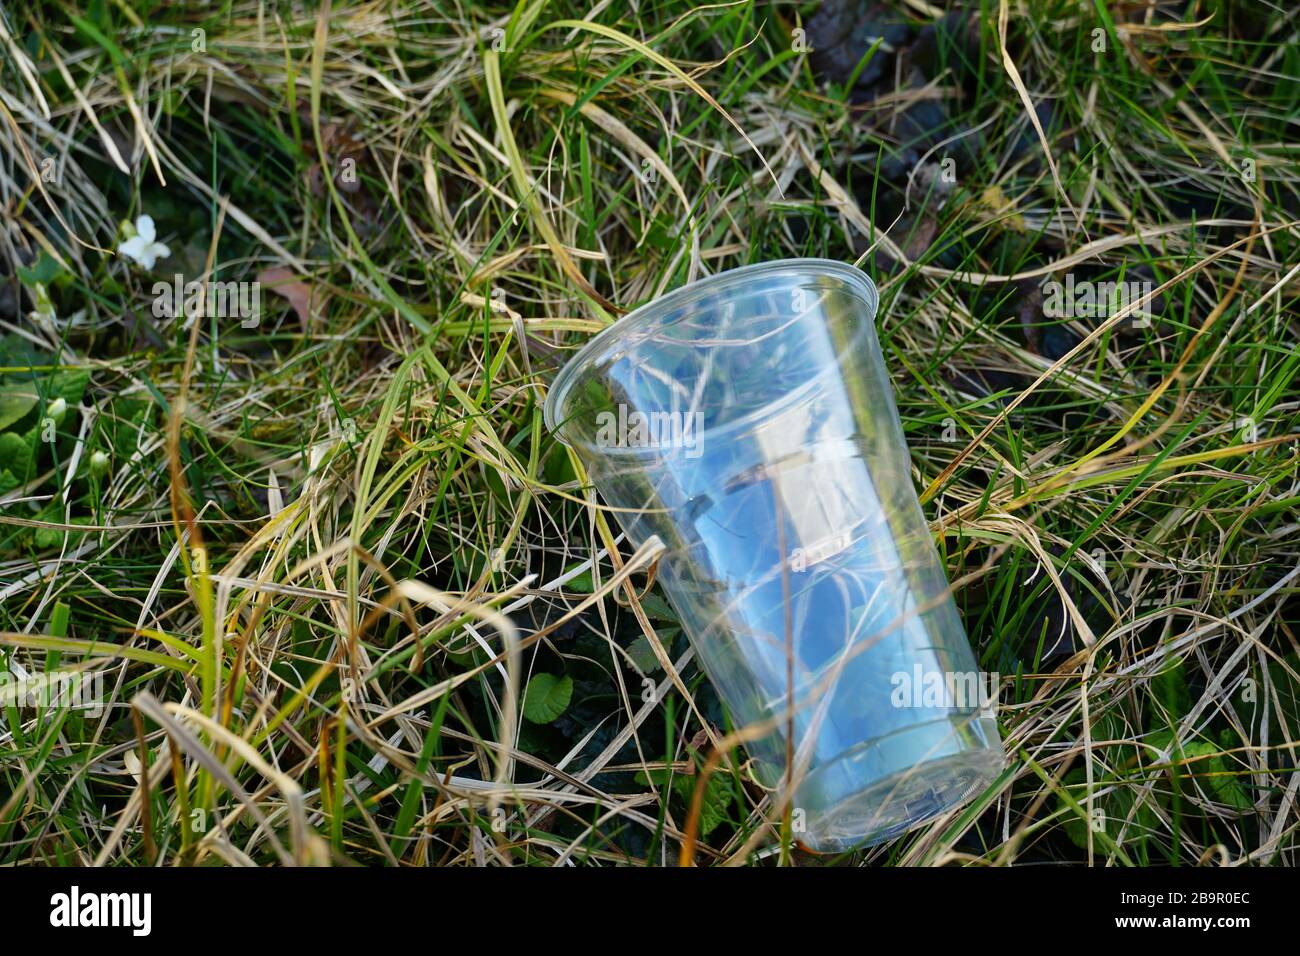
(302, 295)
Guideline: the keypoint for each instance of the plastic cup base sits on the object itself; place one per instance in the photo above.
(899, 801)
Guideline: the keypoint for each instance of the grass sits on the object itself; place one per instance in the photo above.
(348, 602)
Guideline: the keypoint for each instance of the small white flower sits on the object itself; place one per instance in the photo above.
(98, 463)
(57, 409)
(141, 247)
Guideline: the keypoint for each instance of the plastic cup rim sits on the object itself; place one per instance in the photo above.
(645, 314)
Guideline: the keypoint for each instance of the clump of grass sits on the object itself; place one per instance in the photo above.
(346, 600)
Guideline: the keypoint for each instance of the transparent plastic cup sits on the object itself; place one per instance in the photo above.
(747, 420)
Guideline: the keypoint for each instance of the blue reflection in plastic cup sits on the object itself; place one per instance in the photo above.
(748, 421)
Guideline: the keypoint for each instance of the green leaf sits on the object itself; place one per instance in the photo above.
(557, 469)
(1214, 771)
(16, 454)
(122, 426)
(547, 697)
(17, 354)
(1171, 687)
(45, 270)
(643, 655)
(15, 402)
(582, 583)
(715, 807)
(662, 776)
(1113, 808)
(657, 608)
(47, 539)
(69, 386)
